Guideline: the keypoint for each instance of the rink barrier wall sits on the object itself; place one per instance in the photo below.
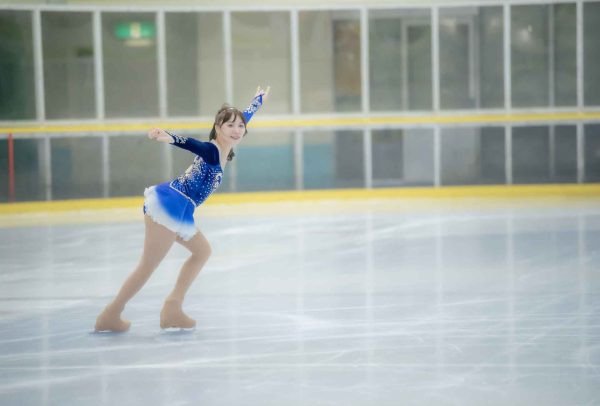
(448, 192)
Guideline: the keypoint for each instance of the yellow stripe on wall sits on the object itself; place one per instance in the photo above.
(513, 192)
(314, 122)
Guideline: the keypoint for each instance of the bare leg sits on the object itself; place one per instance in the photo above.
(157, 242)
(172, 315)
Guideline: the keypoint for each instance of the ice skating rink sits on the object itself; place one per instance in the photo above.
(360, 302)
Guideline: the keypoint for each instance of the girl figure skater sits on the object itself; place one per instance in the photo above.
(168, 215)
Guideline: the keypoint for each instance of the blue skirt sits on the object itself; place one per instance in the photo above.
(170, 208)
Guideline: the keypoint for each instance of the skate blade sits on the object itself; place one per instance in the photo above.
(177, 330)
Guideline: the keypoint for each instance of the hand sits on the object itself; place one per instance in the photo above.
(154, 133)
(159, 135)
(263, 92)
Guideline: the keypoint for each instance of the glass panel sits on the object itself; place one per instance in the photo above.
(544, 55)
(76, 167)
(386, 54)
(592, 153)
(349, 159)
(346, 61)
(68, 65)
(417, 157)
(400, 59)
(333, 159)
(470, 156)
(531, 158)
(563, 141)
(261, 56)
(419, 68)
(28, 166)
(565, 55)
(591, 58)
(135, 163)
(471, 47)
(491, 49)
(387, 150)
(265, 161)
(195, 63)
(130, 65)
(529, 53)
(329, 43)
(456, 58)
(17, 85)
(493, 155)
(319, 160)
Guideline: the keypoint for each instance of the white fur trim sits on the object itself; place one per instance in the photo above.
(157, 213)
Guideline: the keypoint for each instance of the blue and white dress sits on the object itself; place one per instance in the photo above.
(172, 204)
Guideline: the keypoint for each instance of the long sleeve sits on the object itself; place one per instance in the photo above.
(253, 108)
(207, 150)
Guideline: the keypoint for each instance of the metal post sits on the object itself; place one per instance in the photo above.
(580, 154)
(299, 159)
(295, 62)
(579, 46)
(163, 93)
(368, 157)
(435, 57)
(161, 57)
(47, 165)
(228, 55)
(404, 64)
(580, 93)
(364, 61)
(295, 71)
(98, 65)
(11, 168)
(435, 73)
(437, 156)
(551, 61)
(105, 165)
(365, 101)
(551, 92)
(508, 161)
(38, 60)
(507, 58)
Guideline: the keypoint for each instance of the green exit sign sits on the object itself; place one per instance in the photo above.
(135, 30)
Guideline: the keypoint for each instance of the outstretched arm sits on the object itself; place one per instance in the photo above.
(259, 98)
(206, 150)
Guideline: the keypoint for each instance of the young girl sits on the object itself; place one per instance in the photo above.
(169, 209)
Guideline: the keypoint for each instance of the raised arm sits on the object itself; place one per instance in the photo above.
(208, 151)
(259, 98)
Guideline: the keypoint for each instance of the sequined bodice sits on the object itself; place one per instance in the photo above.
(199, 180)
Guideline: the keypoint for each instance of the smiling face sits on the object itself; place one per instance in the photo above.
(229, 129)
(232, 130)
